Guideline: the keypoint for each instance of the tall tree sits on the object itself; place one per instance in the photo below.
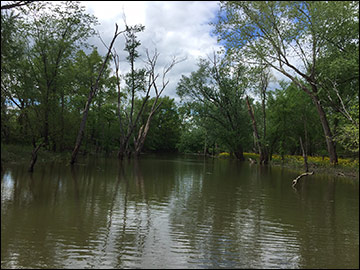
(93, 90)
(284, 35)
(290, 115)
(216, 91)
(153, 76)
(135, 83)
(54, 31)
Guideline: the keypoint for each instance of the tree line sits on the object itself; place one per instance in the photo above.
(59, 93)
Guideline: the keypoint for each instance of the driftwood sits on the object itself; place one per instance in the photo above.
(295, 181)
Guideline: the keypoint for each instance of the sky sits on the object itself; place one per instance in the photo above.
(175, 28)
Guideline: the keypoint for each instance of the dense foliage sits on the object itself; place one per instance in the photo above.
(48, 69)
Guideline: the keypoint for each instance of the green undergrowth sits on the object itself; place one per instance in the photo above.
(345, 167)
(22, 153)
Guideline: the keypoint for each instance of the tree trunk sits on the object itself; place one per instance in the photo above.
(262, 151)
(34, 157)
(90, 97)
(328, 135)
(139, 143)
(304, 155)
(239, 153)
(62, 124)
(82, 128)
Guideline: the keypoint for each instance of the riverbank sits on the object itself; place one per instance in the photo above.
(11, 153)
(345, 167)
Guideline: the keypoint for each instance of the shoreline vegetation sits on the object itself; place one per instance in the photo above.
(346, 167)
(250, 94)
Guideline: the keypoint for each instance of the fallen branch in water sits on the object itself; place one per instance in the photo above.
(294, 182)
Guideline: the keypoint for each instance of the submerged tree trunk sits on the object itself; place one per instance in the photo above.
(239, 153)
(82, 128)
(34, 157)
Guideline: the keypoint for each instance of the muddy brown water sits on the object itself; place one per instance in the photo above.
(176, 212)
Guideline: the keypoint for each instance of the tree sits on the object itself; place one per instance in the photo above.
(100, 122)
(216, 91)
(192, 132)
(54, 33)
(348, 136)
(290, 116)
(14, 76)
(138, 81)
(284, 34)
(135, 82)
(164, 132)
(156, 103)
(93, 89)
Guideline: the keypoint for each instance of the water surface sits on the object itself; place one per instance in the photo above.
(176, 212)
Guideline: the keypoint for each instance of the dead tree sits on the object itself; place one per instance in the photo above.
(144, 129)
(91, 95)
(132, 117)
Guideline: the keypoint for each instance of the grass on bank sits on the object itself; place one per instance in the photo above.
(346, 166)
(349, 167)
(22, 153)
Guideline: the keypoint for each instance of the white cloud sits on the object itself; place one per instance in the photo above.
(174, 28)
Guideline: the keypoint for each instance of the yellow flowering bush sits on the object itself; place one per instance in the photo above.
(251, 155)
(299, 160)
(317, 161)
(224, 155)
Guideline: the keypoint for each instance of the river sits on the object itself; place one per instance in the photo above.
(176, 212)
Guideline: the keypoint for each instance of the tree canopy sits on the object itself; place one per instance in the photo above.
(58, 92)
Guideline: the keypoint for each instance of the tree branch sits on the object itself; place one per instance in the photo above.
(295, 181)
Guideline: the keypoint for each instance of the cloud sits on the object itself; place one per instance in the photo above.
(174, 28)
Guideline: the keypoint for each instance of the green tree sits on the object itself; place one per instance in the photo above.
(348, 135)
(291, 116)
(54, 32)
(17, 91)
(164, 132)
(101, 115)
(216, 92)
(271, 32)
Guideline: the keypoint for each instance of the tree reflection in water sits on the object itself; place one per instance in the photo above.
(175, 213)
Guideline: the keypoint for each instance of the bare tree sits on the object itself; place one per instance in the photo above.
(144, 129)
(91, 95)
